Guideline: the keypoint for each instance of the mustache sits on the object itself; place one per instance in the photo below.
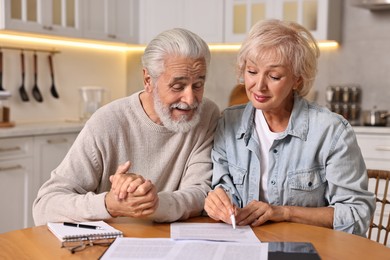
(184, 106)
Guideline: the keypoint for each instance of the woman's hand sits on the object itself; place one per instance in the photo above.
(218, 205)
(257, 213)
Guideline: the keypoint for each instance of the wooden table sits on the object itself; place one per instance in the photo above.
(40, 243)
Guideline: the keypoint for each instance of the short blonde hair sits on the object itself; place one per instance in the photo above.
(292, 44)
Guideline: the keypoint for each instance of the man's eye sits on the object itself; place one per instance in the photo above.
(178, 87)
(198, 85)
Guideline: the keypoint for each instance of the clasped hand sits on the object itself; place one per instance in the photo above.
(131, 195)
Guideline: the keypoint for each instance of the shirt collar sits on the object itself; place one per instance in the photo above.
(298, 124)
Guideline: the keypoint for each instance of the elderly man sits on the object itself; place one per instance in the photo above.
(146, 155)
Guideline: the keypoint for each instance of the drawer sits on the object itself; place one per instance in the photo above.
(374, 146)
(20, 147)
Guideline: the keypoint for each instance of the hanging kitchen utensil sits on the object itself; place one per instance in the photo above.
(22, 89)
(1, 71)
(53, 89)
(35, 91)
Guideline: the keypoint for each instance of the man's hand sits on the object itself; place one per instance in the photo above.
(130, 195)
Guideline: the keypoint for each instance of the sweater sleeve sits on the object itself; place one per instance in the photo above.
(76, 188)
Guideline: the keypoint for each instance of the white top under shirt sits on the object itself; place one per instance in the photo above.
(266, 137)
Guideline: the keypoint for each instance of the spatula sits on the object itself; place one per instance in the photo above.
(53, 89)
(22, 89)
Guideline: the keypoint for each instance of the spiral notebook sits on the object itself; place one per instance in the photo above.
(67, 233)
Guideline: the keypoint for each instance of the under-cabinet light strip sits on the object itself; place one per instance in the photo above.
(124, 47)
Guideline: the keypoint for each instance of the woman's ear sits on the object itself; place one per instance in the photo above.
(298, 84)
(147, 81)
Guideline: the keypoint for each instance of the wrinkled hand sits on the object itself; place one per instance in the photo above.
(130, 195)
(218, 205)
(257, 213)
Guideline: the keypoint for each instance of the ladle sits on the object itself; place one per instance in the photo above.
(36, 93)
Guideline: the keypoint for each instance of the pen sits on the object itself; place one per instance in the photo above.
(81, 225)
(232, 217)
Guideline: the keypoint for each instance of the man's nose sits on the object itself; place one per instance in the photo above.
(188, 96)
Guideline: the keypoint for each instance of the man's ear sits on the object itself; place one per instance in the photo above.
(147, 81)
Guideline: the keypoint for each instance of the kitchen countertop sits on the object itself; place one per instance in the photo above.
(372, 129)
(41, 128)
(44, 128)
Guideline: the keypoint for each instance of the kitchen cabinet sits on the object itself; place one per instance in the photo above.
(321, 17)
(25, 164)
(111, 20)
(16, 183)
(52, 17)
(241, 15)
(49, 151)
(374, 143)
(202, 17)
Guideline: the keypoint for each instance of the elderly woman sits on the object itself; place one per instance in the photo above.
(279, 157)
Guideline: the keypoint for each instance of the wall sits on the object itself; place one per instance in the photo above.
(73, 67)
(363, 57)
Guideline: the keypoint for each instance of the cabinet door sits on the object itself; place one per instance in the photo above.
(320, 17)
(55, 17)
(49, 151)
(16, 198)
(202, 17)
(241, 15)
(112, 20)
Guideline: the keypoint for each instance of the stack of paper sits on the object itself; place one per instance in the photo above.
(215, 241)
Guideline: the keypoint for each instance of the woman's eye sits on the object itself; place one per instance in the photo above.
(275, 77)
(252, 72)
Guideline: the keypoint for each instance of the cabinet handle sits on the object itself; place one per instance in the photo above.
(57, 141)
(10, 168)
(382, 148)
(49, 28)
(10, 149)
(112, 36)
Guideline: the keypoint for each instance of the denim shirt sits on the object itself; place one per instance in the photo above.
(316, 162)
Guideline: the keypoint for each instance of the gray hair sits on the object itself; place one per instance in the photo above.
(176, 42)
(292, 43)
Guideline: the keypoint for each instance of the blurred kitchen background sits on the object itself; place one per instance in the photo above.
(362, 56)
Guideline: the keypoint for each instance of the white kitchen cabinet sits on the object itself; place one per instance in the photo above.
(375, 146)
(49, 151)
(241, 15)
(16, 183)
(111, 20)
(53, 17)
(25, 164)
(320, 17)
(202, 17)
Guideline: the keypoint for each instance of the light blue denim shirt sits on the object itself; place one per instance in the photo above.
(316, 162)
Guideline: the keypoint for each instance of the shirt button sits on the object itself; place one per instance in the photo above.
(273, 182)
(275, 151)
(309, 184)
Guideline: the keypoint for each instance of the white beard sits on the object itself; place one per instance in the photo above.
(182, 125)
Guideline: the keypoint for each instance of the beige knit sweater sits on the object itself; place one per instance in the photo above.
(178, 164)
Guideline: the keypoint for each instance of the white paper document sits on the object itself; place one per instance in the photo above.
(213, 231)
(168, 249)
